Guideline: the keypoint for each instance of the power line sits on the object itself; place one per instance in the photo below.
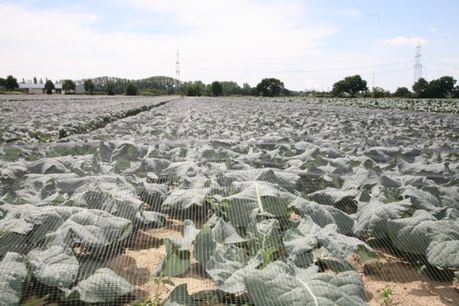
(394, 71)
(303, 71)
(445, 65)
(332, 75)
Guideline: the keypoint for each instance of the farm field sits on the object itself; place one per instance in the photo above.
(417, 105)
(219, 201)
(42, 119)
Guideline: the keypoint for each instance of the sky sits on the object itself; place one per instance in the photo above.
(307, 44)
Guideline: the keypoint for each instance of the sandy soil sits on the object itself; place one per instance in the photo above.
(147, 261)
(410, 287)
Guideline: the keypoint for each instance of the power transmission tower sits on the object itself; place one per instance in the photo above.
(418, 65)
(177, 68)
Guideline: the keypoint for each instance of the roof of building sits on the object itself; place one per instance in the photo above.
(30, 86)
(38, 86)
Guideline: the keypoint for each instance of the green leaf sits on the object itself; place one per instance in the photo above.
(54, 267)
(177, 260)
(12, 275)
(104, 286)
(180, 297)
(444, 254)
(365, 254)
(373, 216)
(168, 281)
(264, 235)
(92, 228)
(182, 199)
(256, 198)
(228, 265)
(208, 238)
(323, 215)
(336, 265)
(414, 234)
(205, 245)
(281, 284)
(300, 241)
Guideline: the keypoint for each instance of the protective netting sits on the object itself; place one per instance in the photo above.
(203, 201)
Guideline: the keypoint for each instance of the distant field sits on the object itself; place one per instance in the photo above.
(42, 118)
(242, 201)
(417, 105)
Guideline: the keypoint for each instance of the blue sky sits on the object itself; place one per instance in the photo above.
(308, 44)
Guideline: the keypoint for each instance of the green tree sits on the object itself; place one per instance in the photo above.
(379, 92)
(246, 90)
(195, 88)
(89, 86)
(2, 82)
(231, 88)
(110, 88)
(442, 87)
(456, 92)
(270, 87)
(68, 86)
(402, 92)
(35, 80)
(49, 86)
(11, 83)
(351, 85)
(421, 88)
(216, 89)
(132, 90)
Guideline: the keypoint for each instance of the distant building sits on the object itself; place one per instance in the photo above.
(38, 89)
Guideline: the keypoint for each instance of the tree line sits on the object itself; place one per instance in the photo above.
(355, 86)
(351, 86)
(268, 87)
(166, 86)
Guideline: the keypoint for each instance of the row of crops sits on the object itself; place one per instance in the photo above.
(257, 202)
(44, 119)
(416, 105)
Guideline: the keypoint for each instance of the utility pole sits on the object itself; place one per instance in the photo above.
(177, 72)
(177, 67)
(418, 65)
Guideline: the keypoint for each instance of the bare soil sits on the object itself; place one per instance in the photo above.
(410, 287)
(147, 261)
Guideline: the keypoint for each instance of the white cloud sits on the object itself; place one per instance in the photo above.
(235, 40)
(62, 44)
(433, 30)
(406, 41)
(240, 40)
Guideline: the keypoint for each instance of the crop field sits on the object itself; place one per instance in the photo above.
(41, 119)
(228, 201)
(416, 105)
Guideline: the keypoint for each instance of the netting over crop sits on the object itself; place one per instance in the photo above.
(151, 201)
